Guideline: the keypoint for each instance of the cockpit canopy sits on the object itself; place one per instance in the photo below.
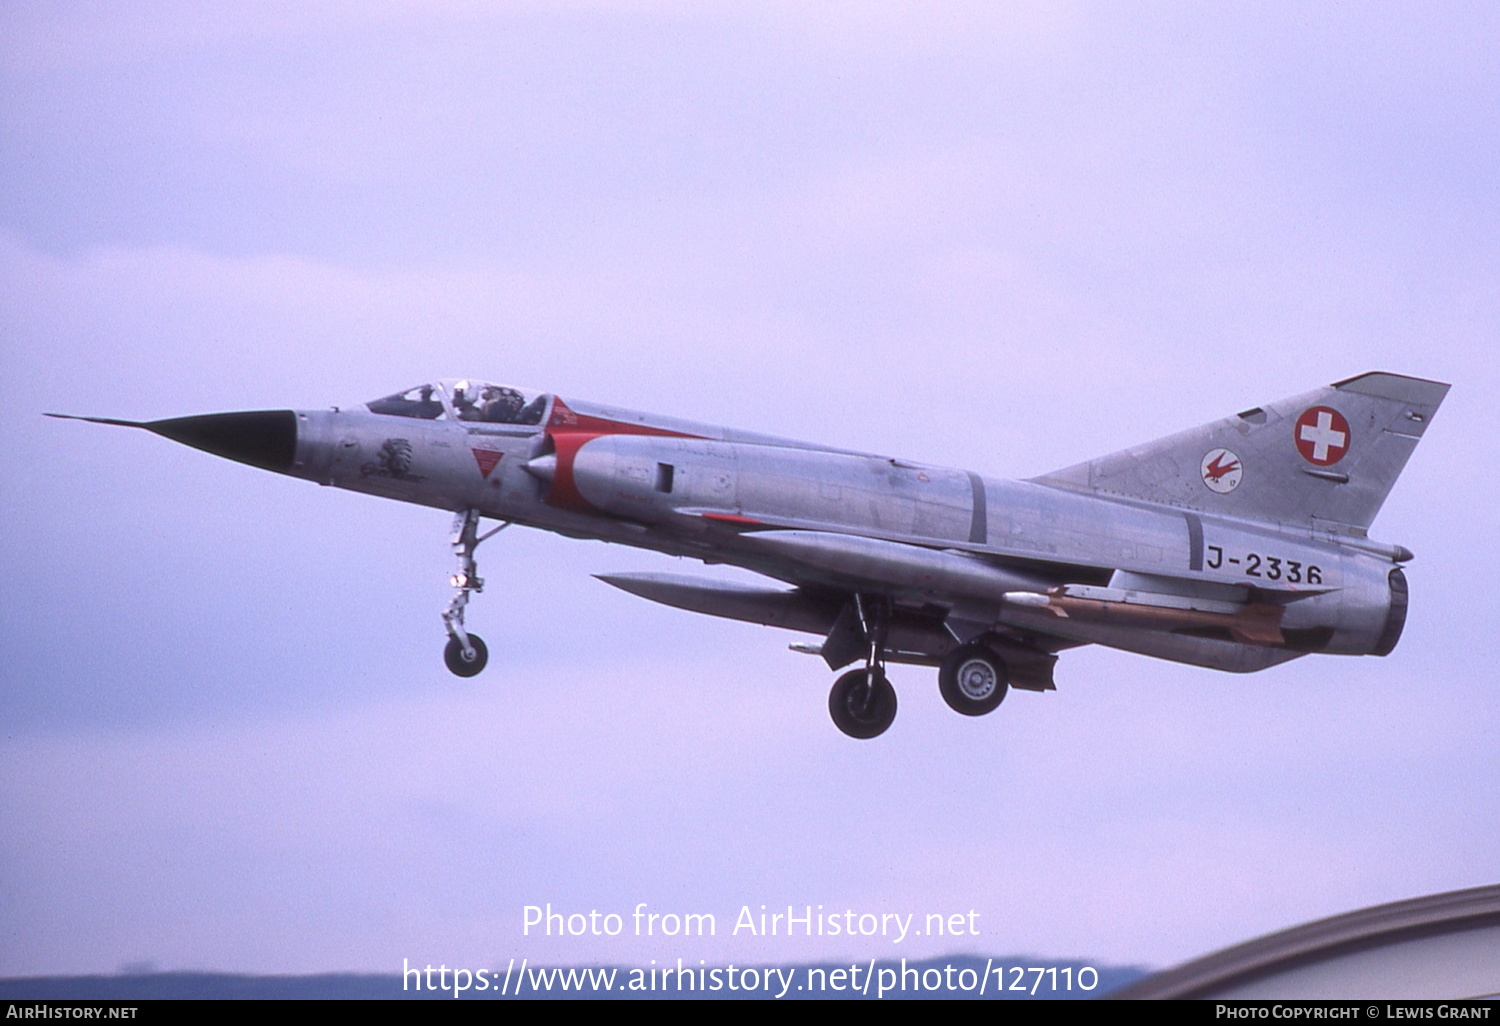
(466, 399)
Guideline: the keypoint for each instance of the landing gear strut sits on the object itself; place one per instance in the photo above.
(862, 702)
(466, 653)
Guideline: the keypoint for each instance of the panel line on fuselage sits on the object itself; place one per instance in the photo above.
(979, 525)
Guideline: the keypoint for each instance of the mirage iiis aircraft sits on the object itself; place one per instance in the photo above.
(1237, 545)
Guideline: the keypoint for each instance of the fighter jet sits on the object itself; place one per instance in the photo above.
(1237, 545)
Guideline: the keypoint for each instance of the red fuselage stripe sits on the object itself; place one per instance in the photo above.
(570, 432)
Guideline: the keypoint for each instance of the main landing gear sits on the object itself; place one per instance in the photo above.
(972, 679)
(862, 702)
(466, 653)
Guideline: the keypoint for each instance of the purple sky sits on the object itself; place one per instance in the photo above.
(1001, 239)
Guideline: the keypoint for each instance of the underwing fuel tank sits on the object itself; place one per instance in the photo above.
(773, 607)
(911, 639)
(853, 559)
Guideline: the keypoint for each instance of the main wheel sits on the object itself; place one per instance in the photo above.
(453, 655)
(861, 708)
(973, 680)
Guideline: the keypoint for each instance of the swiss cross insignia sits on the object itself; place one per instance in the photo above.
(1321, 435)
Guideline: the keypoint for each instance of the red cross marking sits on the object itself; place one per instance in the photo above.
(1322, 435)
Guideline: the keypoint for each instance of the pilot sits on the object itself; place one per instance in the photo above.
(463, 404)
(501, 405)
(532, 414)
(429, 407)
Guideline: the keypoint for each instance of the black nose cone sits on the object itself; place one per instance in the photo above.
(261, 438)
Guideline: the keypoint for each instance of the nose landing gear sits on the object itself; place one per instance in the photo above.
(862, 702)
(465, 654)
(466, 662)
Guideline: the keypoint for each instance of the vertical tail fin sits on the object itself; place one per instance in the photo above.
(1329, 456)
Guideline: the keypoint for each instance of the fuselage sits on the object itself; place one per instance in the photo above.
(1236, 545)
(929, 538)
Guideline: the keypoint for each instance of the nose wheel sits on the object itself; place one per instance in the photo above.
(465, 654)
(862, 702)
(466, 663)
